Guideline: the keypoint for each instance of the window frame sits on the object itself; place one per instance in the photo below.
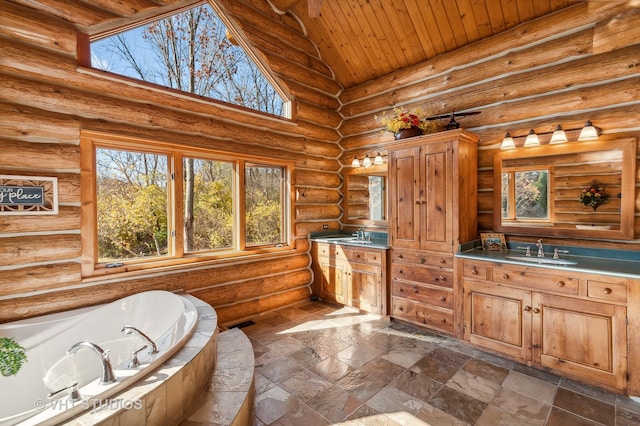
(90, 141)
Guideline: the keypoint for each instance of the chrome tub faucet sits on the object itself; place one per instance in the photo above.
(108, 375)
(128, 329)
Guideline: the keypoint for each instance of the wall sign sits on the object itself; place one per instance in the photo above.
(23, 195)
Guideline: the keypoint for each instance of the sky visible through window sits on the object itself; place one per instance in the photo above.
(190, 52)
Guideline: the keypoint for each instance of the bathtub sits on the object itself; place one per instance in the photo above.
(166, 318)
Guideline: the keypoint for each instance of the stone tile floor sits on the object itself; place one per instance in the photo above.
(319, 364)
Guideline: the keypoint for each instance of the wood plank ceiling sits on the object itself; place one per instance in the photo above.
(359, 40)
(365, 39)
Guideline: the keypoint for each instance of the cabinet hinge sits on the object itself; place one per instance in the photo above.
(173, 234)
(173, 176)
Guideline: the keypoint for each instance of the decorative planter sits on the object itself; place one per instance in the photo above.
(408, 133)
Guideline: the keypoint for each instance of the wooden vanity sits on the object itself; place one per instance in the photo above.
(351, 275)
(578, 324)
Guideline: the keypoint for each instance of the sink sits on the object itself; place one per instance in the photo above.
(346, 239)
(545, 260)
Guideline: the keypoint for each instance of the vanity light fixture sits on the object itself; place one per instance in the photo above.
(507, 142)
(558, 136)
(589, 132)
(366, 161)
(378, 159)
(532, 139)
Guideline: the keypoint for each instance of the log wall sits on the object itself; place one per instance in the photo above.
(556, 70)
(46, 99)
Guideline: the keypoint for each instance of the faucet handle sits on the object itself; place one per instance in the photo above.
(527, 250)
(134, 357)
(74, 395)
(557, 251)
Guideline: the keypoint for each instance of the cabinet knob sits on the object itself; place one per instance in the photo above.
(505, 276)
(416, 290)
(358, 256)
(399, 256)
(474, 271)
(527, 308)
(400, 308)
(442, 261)
(560, 283)
(442, 278)
(444, 320)
(442, 298)
(607, 290)
(536, 310)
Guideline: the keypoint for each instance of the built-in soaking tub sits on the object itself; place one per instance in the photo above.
(168, 319)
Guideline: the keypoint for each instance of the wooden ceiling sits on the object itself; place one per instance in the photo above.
(359, 40)
(364, 39)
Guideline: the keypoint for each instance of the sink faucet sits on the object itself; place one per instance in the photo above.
(128, 329)
(361, 234)
(540, 248)
(107, 372)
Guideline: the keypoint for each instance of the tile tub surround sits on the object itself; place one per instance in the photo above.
(168, 394)
(230, 396)
(319, 364)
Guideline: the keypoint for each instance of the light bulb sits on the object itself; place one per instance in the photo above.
(559, 136)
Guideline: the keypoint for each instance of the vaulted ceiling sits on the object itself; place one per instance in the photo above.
(359, 40)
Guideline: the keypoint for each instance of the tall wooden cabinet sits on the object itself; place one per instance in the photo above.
(432, 209)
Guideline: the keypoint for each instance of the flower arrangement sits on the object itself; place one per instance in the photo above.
(401, 118)
(593, 195)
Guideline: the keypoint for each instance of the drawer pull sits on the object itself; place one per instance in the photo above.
(505, 276)
(560, 284)
(607, 290)
(416, 290)
(444, 320)
(443, 261)
(442, 278)
(474, 271)
(400, 308)
(536, 310)
(527, 308)
(358, 256)
(399, 256)
(443, 299)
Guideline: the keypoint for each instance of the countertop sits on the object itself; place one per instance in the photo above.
(376, 240)
(624, 264)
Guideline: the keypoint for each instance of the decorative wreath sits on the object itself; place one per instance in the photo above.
(593, 195)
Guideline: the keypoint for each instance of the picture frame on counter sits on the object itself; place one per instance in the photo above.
(493, 241)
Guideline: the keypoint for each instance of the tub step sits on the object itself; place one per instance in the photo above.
(230, 396)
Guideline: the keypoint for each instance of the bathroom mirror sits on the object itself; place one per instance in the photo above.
(365, 196)
(537, 190)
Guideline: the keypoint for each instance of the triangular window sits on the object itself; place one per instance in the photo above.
(191, 51)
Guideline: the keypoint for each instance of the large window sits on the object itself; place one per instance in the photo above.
(141, 212)
(192, 51)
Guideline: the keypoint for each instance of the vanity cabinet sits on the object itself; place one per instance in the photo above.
(570, 322)
(350, 275)
(432, 210)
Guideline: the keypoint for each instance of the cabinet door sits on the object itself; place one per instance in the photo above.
(332, 281)
(436, 197)
(498, 318)
(583, 338)
(404, 205)
(365, 283)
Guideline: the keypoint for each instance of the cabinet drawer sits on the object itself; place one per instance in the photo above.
(418, 313)
(374, 257)
(615, 292)
(432, 296)
(535, 281)
(474, 270)
(422, 274)
(443, 260)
